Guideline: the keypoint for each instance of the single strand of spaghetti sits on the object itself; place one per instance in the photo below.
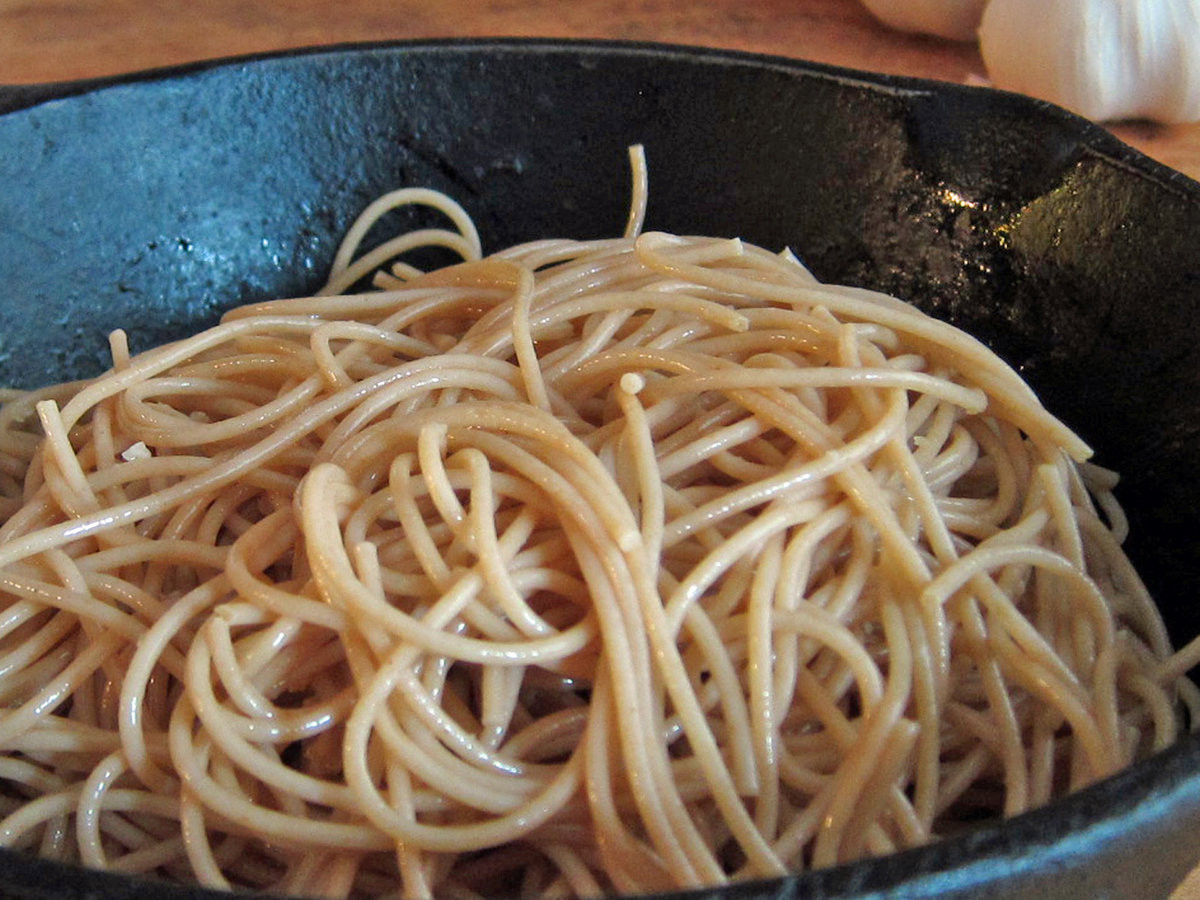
(941, 542)
(54, 734)
(49, 806)
(809, 620)
(958, 458)
(155, 858)
(372, 307)
(494, 563)
(1041, 753)
(760, 653)
(1062, 513)
(131, 833)
(289, 725)
(393, 200)
(178, 552)
(414, 872)
(933, 422)
(577, 874)
(87, 810)
(639, 190)
(76, 496)
(418, 539)
(1106, 700)
(195, 833)
(238, 668)
(21, 684)
(542, 738)
(246, 362)
(370, 519)
(431, 443)
(640, 443)
(17, 830)
(522, 341)
(1099, 484)
(931, 663)
(1162, 710)
(104, 447)
(499, 690)
(342, 280)
(361, 335)
(195, 389)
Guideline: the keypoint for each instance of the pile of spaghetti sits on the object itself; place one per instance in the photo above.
(580, 568)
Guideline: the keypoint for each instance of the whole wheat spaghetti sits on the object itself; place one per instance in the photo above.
(580, 568)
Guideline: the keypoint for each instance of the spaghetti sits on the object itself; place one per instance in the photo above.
(581, 568)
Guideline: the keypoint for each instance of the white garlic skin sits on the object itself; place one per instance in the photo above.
(1104, 59)
(954, 19)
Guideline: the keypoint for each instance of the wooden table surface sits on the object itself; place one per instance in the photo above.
(68, 39)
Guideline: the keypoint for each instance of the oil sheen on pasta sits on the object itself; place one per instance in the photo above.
(579, 568)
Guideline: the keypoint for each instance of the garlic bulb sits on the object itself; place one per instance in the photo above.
(955, 19)
(1104, 59)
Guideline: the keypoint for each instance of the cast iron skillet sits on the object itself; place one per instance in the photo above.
(158, 200)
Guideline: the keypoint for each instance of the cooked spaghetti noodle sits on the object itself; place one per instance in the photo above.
(585, 567)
